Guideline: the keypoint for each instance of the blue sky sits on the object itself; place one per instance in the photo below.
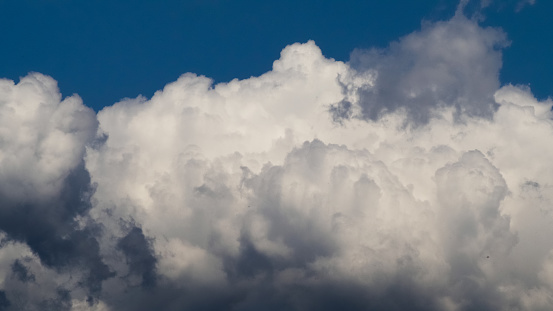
(108, 50)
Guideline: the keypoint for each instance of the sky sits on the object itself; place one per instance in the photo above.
(248, 155)
(108, 50)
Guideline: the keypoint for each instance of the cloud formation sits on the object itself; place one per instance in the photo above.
(405, 178)
(447, 64)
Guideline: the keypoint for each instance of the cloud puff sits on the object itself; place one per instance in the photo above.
(45, 190)
(300, 189)
(447, 64)
(42, 137)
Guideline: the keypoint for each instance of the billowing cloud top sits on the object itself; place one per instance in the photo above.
(404, 179)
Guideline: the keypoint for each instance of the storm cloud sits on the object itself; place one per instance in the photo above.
(406, 178)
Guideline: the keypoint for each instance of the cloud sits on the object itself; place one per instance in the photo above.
(476, 9)
(4, 302)
(44, 187)
(405, 178)
(139, 256)
(521, 4)
(21, 272)
(447, 64)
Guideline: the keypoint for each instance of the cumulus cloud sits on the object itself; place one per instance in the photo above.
(45, 190)
(447, 64)
(406, 178)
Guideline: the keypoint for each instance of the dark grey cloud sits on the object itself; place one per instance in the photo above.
(139, 255)
(21, 272)
(61, 302)
(50, 230)
(4, 302)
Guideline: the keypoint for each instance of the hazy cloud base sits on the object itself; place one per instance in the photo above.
(404, 179)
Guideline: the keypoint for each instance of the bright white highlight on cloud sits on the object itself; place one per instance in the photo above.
(41, 137)
(285, 190)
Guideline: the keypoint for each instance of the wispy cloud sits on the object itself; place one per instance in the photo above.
(522, 3)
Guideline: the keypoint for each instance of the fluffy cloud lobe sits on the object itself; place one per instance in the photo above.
(404, 179)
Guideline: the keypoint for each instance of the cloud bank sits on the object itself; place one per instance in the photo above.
(406, 178)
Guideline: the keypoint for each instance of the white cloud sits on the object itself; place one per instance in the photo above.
(42, 187)
(42, 137)
(368, 202)
(252, 192)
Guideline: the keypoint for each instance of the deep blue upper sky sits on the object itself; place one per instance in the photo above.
(105, 50)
